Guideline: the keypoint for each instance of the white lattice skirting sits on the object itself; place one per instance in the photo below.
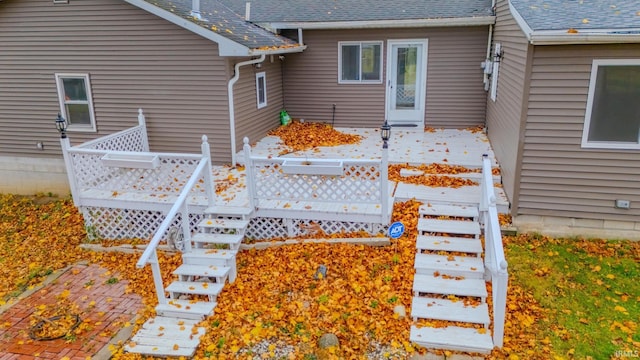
(113, 223)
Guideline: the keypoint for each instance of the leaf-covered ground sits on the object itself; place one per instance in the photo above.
(568, 299)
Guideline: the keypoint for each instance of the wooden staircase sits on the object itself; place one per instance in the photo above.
(449, 283)
(207, 263)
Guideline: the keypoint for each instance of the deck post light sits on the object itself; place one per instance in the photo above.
(385, 134)
(61, 125)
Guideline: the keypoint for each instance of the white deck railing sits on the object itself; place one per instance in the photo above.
(338, 181)
(131, 139)
(495, 261)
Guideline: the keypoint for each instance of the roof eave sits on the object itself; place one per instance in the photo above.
(408, 23)
(564, 38)
(226, 47)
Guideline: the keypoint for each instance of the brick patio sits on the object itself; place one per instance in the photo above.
(103, 306)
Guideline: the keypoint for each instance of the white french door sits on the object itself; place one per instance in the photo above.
(406, 81)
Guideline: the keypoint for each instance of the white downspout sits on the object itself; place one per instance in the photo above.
(232, 115)
(485, 77)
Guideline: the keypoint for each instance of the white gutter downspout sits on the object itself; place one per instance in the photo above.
(485, 76)
(232, 115)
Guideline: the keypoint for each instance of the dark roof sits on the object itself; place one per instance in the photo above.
(218, 18)
(265, 11)
(579, 14)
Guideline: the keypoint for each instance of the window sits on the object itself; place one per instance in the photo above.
(360, 62)
(261, 89)
(612, 118)
(497, 54)
(74, 94)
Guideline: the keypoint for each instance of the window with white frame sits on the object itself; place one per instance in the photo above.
(612, 118)
(76, 105)
(261, 89)
(360, 62)
(497, 54)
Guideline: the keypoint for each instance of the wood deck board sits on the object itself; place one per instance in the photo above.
(452, 244)
(439, 285)
(440, 309)
(452, 338)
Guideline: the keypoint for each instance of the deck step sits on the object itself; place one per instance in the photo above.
(223, 224)
(451, 244)
(228, 210)
(438, 285)
(465, 211)
(219, 257)
(467, 266)
(186, 309)
(210, 271)
(195, 288)
(232, 240)
(460, 227)
(163, 336)
(452, 338)
(447, 310)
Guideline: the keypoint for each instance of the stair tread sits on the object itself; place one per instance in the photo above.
(438, 285)
(228, 210)
(160, 335)
(223, 223)
(187, 307)
(447, 310)
(470, 267)
(221, 254)
(449, 210)
(452, 338)
(195, 287)
(232, 239)
(446, 243)
(449, 226)
(202, 270)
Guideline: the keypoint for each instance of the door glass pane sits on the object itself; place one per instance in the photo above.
(78, 114)
(350, 62)
(406, 77)
(615, 114)
(371, 61)
(74, 89)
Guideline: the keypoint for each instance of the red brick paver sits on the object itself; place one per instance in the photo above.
(104, 309)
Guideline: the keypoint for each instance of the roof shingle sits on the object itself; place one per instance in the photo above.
(358, 10)
(583, 15)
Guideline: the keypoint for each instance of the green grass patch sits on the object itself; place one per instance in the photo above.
(590, 289)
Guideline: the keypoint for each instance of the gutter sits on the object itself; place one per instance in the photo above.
(232, 115)
(563, 37)
(410, 23)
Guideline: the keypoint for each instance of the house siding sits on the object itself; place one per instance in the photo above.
(559, 178)
(252, 122)
(505, 115)
(134, 59)
(455, 96)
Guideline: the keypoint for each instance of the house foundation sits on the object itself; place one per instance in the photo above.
(28, 176)
(568, 227)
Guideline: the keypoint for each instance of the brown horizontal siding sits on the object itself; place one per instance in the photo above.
(134, 59)
(252, 122)
(505, 115)
(454, 99)
(559, 178)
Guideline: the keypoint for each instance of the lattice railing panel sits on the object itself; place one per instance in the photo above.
(132, 139)
(113, 223)
(168, 178)
(360, 182)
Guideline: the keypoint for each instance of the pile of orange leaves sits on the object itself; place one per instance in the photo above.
(433, 175)
(298, 136)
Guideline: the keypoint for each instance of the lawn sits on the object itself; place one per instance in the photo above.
(568, 298)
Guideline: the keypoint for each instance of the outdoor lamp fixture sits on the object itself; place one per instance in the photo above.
(385, 134)
(61, 125)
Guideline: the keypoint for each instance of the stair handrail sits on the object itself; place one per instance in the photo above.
(495, 260)
(180, 206)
